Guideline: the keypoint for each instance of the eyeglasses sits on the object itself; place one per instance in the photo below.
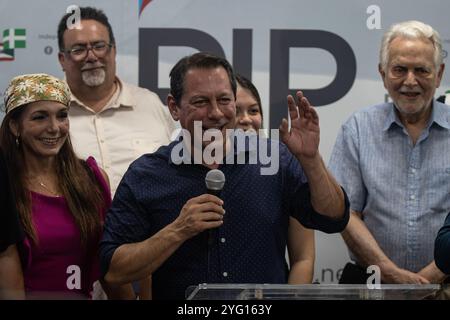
(80, 52)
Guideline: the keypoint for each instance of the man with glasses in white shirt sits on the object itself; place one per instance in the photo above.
(113, 121)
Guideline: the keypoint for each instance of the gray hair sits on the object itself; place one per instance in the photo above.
(411, 30)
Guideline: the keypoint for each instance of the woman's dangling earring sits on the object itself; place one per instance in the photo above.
(17, 141)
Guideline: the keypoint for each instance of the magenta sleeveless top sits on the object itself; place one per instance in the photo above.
(58, 267)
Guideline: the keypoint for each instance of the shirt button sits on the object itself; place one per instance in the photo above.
(222, 240)
(102, 141)
(413, 170)
(412, 197)
(225, 274)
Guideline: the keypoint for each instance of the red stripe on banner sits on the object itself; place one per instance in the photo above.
(144, 4)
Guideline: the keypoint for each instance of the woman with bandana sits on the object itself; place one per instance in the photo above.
(60, 199)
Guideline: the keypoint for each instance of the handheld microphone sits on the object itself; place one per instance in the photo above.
(215, 180)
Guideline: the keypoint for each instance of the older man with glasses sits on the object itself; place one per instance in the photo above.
(113, 121)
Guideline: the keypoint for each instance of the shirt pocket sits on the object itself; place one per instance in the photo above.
(441, 178)
(445, 172)
(437, 190)
(143, 146)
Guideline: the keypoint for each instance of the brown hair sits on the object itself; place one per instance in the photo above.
(200, 60)
(86, 13)
(247, 84)
(76, 180)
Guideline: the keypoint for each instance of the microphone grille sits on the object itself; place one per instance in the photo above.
(215, 180)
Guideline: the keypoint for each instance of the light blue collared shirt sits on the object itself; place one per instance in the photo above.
(402, 190)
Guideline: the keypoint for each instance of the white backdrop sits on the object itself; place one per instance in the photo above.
(309, 68)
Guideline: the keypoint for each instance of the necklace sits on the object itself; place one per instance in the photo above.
(48, 189)
(43, 185)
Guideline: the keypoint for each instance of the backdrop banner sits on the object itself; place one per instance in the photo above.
(329, 49)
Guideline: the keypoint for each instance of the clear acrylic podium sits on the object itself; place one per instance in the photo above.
(308, 292)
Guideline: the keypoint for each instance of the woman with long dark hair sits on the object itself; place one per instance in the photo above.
(60, 199)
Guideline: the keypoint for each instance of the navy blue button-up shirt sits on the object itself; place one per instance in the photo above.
(250, 245)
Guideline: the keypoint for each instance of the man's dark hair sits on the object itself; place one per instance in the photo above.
(200, 60)
(87, 13)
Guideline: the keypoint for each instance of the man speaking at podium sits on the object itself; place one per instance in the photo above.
(161, 215)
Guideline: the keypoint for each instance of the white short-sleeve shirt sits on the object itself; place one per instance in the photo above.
(133, 122)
